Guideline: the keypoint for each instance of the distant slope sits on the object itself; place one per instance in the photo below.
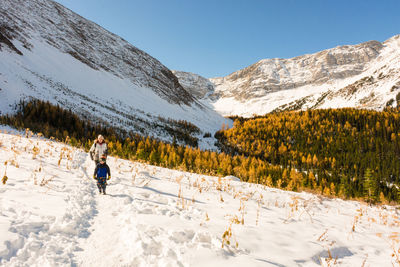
(366, 75)
(50, 53)
(194, 83)
(271, 75)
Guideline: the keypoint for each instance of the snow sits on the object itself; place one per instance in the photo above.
(52, 215)
(232, 178)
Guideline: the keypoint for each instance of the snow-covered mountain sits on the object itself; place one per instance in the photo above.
(366, 75)
(52, 215)
(50, 53)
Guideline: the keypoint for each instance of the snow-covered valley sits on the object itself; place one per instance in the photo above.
(52, 215)
(50, 53)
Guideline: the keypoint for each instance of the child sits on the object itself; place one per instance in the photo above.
(100, 174)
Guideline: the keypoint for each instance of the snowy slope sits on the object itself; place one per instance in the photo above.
(50, 22)
(51, 215)
(366, 75)
(50, 53)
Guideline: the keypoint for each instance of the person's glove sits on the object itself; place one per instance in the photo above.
(94, 177)
(109, 177)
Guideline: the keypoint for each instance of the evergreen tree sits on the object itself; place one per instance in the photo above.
(369, 185)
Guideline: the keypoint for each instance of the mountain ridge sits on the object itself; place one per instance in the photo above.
(89, 43)
(316, 80)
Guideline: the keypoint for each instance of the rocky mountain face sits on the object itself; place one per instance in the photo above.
(366, 75)
(271, 75)
(194, 83)
(50, 53)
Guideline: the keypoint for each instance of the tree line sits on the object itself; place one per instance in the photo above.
(62, 124)
(347, 153)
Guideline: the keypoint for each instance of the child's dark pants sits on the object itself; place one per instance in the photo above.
(102, 183)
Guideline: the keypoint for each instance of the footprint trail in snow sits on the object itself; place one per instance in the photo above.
(52, 215)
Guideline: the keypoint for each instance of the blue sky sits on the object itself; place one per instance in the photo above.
(217, 37)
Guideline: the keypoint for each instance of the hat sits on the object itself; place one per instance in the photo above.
(100, 137)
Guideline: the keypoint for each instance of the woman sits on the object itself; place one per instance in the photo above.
(98, 149)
